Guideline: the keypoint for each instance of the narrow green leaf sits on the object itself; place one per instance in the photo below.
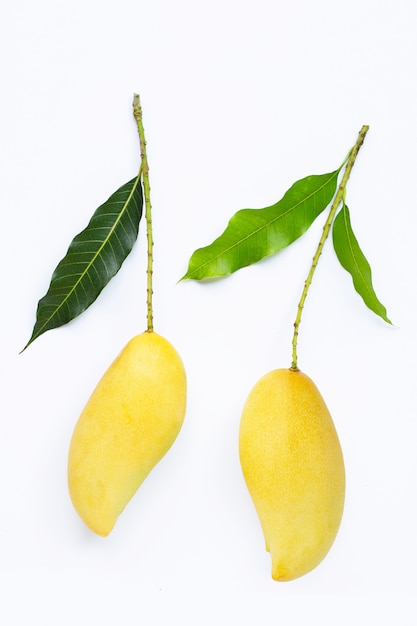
(353, 260)
(94, 256)
(253, 234)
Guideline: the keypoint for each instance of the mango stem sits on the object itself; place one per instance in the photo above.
(338, 198)
(137, 112)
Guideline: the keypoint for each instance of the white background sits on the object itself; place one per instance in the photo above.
(240, 100)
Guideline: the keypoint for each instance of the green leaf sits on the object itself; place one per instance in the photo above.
(94, 256)
(253, 234)
(353, 260)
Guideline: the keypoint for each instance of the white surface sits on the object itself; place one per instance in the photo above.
(240, 100)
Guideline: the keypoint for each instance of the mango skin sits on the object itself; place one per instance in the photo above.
(293, 466)
(128, 424)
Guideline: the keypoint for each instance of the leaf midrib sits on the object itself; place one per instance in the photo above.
(97, 254)
(348, 237)
(265, 226)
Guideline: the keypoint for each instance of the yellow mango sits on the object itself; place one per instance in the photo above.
(293, 467)
(128, 424)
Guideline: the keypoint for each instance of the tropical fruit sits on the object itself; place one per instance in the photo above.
(130, 421)
(293, 466)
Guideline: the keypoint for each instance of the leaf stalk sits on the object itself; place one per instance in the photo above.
(338, 199)
(137, 112)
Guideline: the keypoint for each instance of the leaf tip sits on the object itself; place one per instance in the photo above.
(26, 346)
(388, 321)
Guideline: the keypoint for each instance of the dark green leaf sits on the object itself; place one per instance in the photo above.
(253, 234)
(94, 256)
(353, 260)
